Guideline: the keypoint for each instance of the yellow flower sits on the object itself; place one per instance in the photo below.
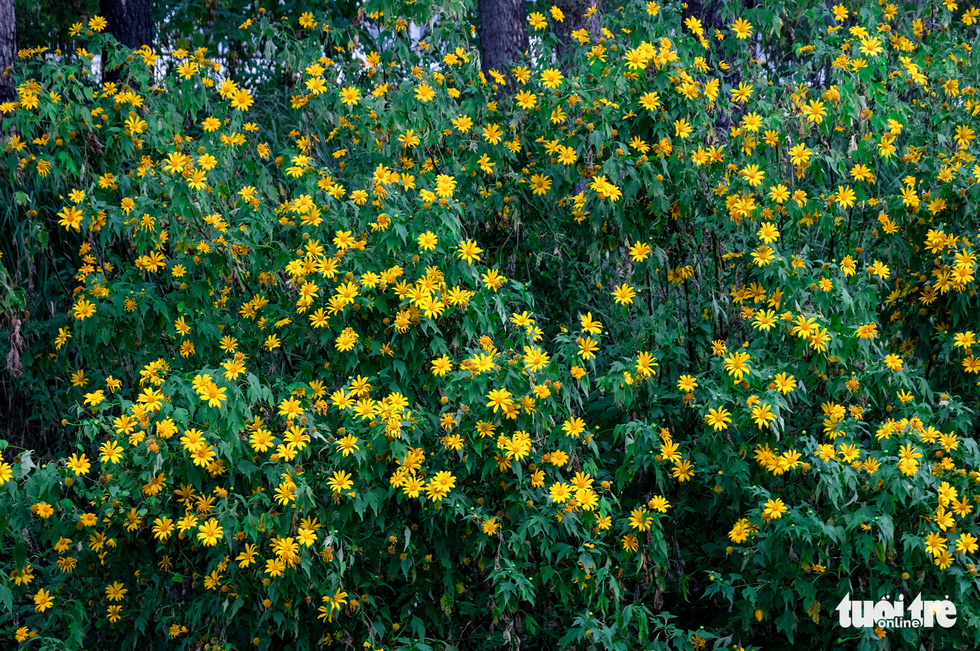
(845, 196)
(552, 78)
(659, 503)
(6, 472)
(94, 398)
(742, 93)
(768, 233)
(242, 100)
(492, 134)
(469, 251)
(737, 365)
(623, 294)
(162, 528)
(718, 418)
(441, 365)
(526, 99)
(966, 544)
(247, 557)
(640, 251)
(641, 519)
(742, 28)
(424, 93)
(540, 184)
(210, 532)
(687, 383)
(646, 364)
(115, 591)
(110, 452)
(587, 347)
(80, 465)
(350, 96)
(784, 383)
(650, 101)
(491, 526)
(762, 415)
(814, 111)
(753, 176)
(682, 471)
(340, 481)
(499, 398)
(428, 241)
(348, 444)
(894, 362)
(683, 128)
(740, 532)
(935, 543)
(774, 509)
(71, 218)
(630, 543)
(43, 599)
(879, 269)
(83, 309)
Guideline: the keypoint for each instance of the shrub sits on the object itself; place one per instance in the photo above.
(669, 344)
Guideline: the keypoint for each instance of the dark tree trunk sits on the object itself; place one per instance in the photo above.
(503, 37)
(573, 21)
(8, 50)
(131, 22)
(711, 13)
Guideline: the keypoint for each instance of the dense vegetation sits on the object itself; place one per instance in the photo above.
(663, 338)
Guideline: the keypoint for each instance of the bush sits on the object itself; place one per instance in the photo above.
(666, 344)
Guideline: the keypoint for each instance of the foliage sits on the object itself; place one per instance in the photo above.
(669, 345)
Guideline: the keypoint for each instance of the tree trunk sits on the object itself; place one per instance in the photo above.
(503, 37)
(711, 14)
(573, 21)
(8, 50)
(131, 22)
